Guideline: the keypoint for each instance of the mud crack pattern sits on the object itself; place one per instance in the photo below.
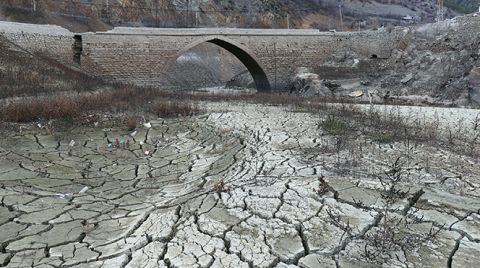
(155, 202)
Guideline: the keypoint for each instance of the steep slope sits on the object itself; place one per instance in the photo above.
(91, 15)
(24, 73)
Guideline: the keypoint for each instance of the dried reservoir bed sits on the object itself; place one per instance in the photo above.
(243, 185)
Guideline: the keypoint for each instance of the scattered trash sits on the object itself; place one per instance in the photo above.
(39, 125)
(84, 189)
(72, 143)
(133, 133)
(95, 124)
(147, 153)
(355, 63)
(147, 125)
(119, 143)
(63, 196)
(142, 143)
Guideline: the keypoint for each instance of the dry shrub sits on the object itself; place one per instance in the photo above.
(171, 108)
(126, 98)
(28, 110)
(131, 122)
(219, 186)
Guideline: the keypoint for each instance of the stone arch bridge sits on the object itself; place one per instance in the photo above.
(143, 55)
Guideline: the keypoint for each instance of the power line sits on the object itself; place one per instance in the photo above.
(108, 5)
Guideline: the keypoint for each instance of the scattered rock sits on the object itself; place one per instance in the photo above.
(356, 94)
(244, 80)
(407, 78)
(365, 83)
(331, 85)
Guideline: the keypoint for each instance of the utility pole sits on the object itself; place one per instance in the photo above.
(34, 5)
(341, 15)
(156, 13)
(197, 14)
(186, 14)
(288, 21)
(440, 11)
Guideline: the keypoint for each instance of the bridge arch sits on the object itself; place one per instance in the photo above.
(241, 53)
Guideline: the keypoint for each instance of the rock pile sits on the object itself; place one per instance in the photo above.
(306, 83)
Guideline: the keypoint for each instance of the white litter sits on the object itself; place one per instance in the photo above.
(147, 152)
(72, 143)
(84, 189)
(63, 196)
(133, 133)
(147, 125)
(142, 143)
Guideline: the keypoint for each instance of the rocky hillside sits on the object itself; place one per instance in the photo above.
(88, 15)
(436, 63)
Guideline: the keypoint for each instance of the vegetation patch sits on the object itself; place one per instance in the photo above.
(336, 126)
(384, 138)
(126, 99)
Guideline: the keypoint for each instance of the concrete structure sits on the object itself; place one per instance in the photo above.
(143, 55)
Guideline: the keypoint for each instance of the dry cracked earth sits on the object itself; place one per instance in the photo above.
(236, 187)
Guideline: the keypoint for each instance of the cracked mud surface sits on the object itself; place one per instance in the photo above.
(165, 209)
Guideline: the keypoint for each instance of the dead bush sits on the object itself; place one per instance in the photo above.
(219, 186)
(323, 186)
(131, 122)
(171, 108)
(125, 99)
(28, 110)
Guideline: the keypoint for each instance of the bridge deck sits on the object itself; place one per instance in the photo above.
(218, 31)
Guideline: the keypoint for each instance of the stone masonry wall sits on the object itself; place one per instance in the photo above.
(142, 56)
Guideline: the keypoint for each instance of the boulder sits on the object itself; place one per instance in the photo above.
(306, 83)
(474, 84)
(243, 80)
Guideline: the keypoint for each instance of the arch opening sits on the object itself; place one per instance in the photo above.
(212, 62)
(259, 76)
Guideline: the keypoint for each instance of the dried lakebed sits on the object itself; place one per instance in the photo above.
(237, 187)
